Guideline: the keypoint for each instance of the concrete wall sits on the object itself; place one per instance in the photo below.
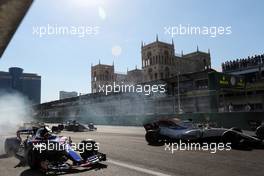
(244, 120)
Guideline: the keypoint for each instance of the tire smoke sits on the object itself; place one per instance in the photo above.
(14, 111)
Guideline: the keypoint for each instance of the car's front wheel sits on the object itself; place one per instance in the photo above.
(88, 148)
(260, 132)
(32, 159)
(232, 137)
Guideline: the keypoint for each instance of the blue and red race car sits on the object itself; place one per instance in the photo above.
(48, 152)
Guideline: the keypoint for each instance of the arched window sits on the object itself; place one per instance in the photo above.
(166, 56)
(149, 54)
(161, 75)
(107, 77)
(94, 76)
(150, 70)
(167, 72)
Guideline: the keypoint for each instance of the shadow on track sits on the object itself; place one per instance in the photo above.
(4, 156)
(71, 171)
(32, 173)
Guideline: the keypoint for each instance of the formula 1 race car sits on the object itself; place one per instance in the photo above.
(47, 152)
(75, 126)
(173, 129)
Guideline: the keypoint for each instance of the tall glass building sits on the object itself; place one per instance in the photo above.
(28, 84)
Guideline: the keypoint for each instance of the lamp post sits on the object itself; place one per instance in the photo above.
(179, 100)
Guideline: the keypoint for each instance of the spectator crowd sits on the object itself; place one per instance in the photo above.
(243, 63)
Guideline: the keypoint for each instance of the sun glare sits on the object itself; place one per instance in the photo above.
(85, 3)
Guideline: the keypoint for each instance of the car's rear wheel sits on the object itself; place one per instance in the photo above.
(11, 146)
(55, 129)
(61, 127)
(152, 137)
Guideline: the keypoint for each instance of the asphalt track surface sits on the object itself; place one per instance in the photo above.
(129, 154)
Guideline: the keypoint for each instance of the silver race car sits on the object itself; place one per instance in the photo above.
(173, 129)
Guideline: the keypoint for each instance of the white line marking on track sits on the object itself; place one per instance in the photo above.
(139, 169)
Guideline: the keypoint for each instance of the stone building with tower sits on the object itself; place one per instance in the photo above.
(101, 74)
(159, 61)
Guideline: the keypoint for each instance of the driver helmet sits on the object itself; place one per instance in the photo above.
(46, 132)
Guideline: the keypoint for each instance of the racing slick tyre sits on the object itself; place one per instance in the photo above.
(55, 129)
(32, 159)
(88, 148)
(152, 137)
(11, 146)
(260, 132)
(61, 127)
(231, 137)
(75, 128)
(236, 129)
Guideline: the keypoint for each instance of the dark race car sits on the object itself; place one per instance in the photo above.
(76, 126)
(173, 129)
(45, 151)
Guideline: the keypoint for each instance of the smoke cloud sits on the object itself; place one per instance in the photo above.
(118, 109)
(14, 111)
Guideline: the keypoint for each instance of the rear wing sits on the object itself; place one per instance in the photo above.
(29, 131)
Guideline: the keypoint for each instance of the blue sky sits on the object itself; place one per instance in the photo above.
(64, 62)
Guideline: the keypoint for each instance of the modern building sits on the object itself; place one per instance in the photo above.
(64, 94)
(28, 84)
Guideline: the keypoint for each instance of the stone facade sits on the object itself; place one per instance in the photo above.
(65, 94)
(160, 62)
(135, 76)
(101, 74)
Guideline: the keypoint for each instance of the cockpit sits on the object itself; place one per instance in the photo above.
(44, 133)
